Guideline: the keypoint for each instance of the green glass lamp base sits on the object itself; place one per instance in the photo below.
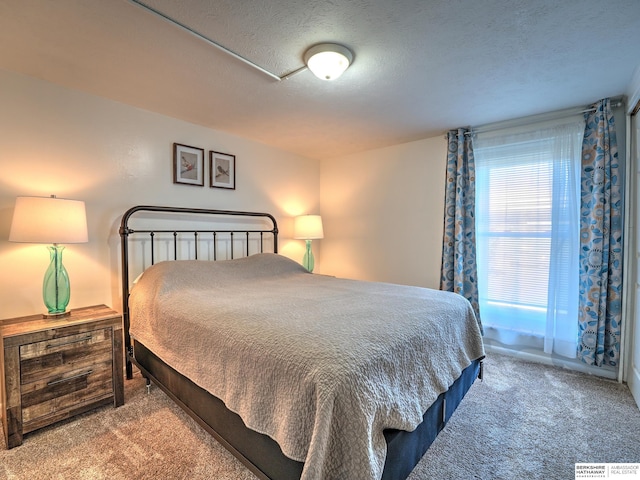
(56, 315)
(56, 290)
(307, 260)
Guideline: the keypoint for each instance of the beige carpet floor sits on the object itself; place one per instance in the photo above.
(525, 421)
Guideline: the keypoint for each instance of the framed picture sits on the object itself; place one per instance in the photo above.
(222, 170)
(188, 165)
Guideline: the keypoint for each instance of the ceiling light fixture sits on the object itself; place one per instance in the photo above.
(328, 61)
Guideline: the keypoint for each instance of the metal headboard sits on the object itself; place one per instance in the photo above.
(127, 233)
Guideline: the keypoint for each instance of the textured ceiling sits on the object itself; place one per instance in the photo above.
(421, 66)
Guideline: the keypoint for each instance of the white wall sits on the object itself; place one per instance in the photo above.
(383, 212)
(113, 156)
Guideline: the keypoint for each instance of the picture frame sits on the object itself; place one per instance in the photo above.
(188, 165)
(222, 170)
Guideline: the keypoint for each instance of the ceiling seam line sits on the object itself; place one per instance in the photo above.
(216, 44)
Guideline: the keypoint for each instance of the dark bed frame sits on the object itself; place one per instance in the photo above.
(258, 452)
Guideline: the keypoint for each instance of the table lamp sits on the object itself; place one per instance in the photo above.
(308, 227)
(51, 220)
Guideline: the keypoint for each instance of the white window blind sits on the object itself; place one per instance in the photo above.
(527, 201)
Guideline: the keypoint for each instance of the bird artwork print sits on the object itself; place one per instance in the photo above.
(186, 165)
(222, 171)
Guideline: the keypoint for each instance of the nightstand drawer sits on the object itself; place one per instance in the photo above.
(44, 399)
(57, 357)
(64, 373)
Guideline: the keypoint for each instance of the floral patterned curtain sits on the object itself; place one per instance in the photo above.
(459, 271)
(600, 241)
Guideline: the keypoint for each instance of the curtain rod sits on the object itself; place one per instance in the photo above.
(615, 103)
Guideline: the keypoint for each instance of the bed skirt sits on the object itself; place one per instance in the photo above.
(262, 455)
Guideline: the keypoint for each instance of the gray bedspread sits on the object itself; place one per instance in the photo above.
(322, 365)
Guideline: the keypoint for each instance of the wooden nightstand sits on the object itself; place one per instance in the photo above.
(52, 369)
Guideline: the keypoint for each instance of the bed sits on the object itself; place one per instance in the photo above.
(300, 376)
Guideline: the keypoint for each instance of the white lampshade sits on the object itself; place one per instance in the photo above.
(48, 220)
(308, 227)
(328, 61)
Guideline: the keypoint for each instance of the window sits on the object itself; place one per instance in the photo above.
(527, 228)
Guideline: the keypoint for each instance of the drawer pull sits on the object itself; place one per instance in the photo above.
(55, 382)
(83, 339)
